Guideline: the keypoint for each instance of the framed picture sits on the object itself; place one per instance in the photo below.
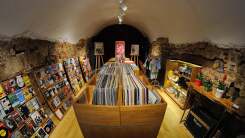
(134, 50)
(120, 50)
(98, 48)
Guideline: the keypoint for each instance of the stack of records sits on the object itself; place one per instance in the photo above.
(134, 91)
(106, 86)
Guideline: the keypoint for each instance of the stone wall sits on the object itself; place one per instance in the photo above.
(204, 54)
(24, 54)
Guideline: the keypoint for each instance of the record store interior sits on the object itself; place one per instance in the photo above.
(122, 69)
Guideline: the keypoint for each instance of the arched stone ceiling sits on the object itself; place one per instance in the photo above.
(219, 21)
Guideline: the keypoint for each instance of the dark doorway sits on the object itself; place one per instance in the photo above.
(119, 32)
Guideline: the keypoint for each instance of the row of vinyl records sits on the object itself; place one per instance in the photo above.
(134, 91)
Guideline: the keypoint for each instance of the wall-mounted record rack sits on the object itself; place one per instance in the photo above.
(21, 114)
(74, 74)
(86, 68)
(55, 88)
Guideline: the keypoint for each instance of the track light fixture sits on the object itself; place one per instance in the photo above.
(122, 9)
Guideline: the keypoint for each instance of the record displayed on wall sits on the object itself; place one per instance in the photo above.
(120, 50)
(135, 50)
(98, 48)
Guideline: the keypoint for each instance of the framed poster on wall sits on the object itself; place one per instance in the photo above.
(134, 50)
(120, 51)
(98, 48)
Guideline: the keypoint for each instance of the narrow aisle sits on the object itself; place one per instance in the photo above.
(171, 128)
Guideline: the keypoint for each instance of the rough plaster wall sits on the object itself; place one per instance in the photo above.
(24, 54)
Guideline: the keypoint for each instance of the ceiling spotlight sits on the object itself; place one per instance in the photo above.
(120, 19)
(123, 7)
(121, 1)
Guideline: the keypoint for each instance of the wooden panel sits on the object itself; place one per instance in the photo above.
(142, 115)
(97, 114)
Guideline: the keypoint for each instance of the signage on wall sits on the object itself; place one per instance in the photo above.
(120, 50)
(134, 50)
(98, 48)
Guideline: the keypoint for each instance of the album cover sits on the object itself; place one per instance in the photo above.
(7, 87)
(10, 122)
(20, 96)
(16, 134)
(30, 123)
(49, 126)
(59, 114)
(24, 111)
(98, 48)
(15, 115)
(2, 93)
(27, 80)
(42, 133)
(5, 131)
(13, 99)
(56, 101)
(26, 93)
(134, 50)
(37, 118)
(6, 105)
(20, 81)
(26, 131)
(120, 51)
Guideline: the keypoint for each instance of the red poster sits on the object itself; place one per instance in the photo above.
(120, 51)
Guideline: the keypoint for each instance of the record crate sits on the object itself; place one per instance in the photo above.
(120, 121)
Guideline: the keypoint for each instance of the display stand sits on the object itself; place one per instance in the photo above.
(99, 61)
(135, 58)
(120, 121)
(181, 97)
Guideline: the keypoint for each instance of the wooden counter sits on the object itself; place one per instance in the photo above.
(227, 103)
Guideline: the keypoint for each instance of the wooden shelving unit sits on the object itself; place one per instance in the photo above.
(177, 93)
(100, 121)
(54, 87)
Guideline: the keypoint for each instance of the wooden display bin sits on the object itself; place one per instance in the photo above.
(99, 121)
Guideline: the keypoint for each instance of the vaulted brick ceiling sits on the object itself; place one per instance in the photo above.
(220, 21)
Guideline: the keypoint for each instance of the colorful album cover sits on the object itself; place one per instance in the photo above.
(2, 93)
(13, 99)
(6, 105)
(26, 93)
(5, 131)
(37, 118)
(27, 80)
(86, 68)
(120, 51)
(7, 87)
(20, 96)
(20, 81)
(33, 105)
(49, 126)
